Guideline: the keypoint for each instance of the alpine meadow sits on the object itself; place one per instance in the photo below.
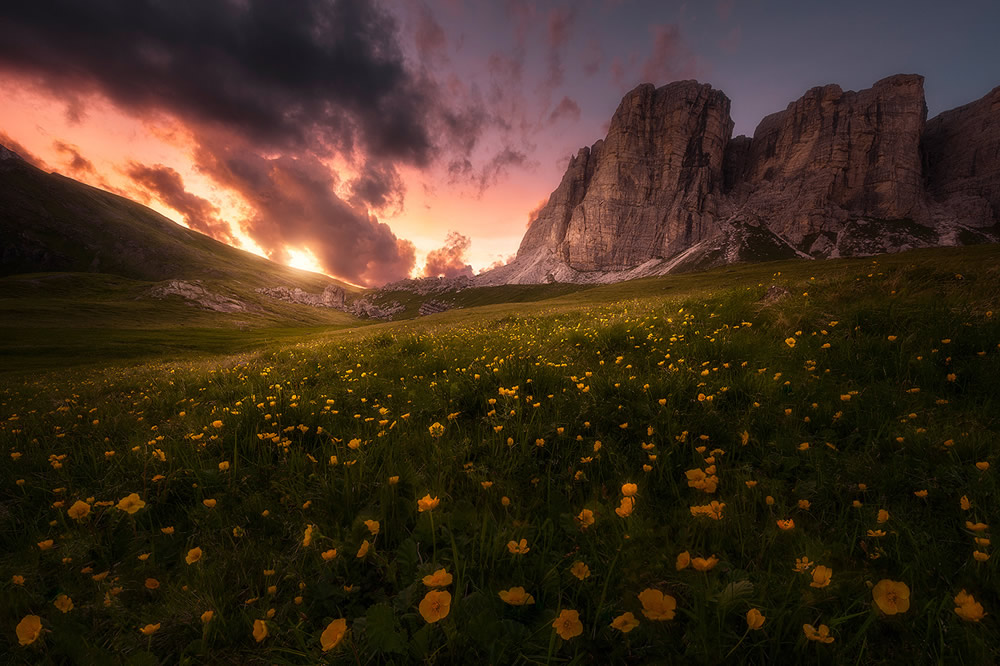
(512, 333)
(679, 468)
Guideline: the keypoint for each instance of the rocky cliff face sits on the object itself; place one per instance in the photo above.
(836, 173)
(646, 190)
(833, 155)
(961, 150)
(654, 178)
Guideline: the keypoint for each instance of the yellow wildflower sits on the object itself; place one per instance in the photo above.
(821, 576)
(967, 608)
(755, 619)
(333, 634)
(259, 630)
(568, 624)
(427, 503)
(625, 622)
(28, 629)
(517, 548)
(656, 605)
(130, 503)
(822, 635)
(435, 605)
(79, 510)
(440, 578)
(704, 564)
(891, 596)
(624, 510)
(516, 596)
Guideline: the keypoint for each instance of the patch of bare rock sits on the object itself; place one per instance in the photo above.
(196, 295)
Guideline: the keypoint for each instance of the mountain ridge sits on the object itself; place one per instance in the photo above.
(836, 173)
(81, 250)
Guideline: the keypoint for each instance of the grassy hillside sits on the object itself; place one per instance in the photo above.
(76, 256)
(63, 320)
(51, 223)
(806, 449)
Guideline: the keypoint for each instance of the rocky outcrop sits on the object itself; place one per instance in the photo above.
(367, 308)
(837, 173)
(196, 295)
(331, 297)
(429, 285)
(433, 307)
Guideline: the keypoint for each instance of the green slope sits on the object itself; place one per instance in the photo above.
(77, 256)
(52, 223)
(105, 338)
(851, 425)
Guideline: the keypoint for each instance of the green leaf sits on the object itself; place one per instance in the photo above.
(406, 559)
(380, 630)
(736, 590)
(420, 642)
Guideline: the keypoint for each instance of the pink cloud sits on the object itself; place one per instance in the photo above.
(450, 260)
(566, 108)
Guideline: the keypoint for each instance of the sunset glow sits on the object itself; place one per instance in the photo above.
(480, 109)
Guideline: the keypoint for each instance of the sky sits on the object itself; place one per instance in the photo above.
(374, 141)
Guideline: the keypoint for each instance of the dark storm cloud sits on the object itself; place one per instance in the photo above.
(268, 91)
(295, 206)
(378, 186)
(76, 163)
(75, 109)
(511, 112)
(491, 172)
(463, 125)
(284, 74)
(450, 260)
(499, 164)
(168, 186)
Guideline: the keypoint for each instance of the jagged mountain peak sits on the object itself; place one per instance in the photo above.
(815, 177)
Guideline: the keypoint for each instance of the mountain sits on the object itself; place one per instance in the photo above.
(837, 173)
(53, 223)
(63, 238)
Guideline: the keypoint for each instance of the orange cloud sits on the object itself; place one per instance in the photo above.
(450, 260)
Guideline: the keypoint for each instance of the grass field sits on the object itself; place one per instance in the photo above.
(649, 461)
